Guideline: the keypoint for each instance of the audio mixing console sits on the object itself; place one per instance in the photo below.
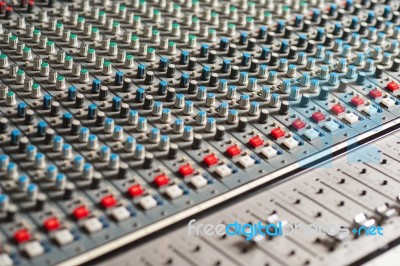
(120, 118)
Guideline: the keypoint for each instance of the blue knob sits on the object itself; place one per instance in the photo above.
(243, 38)
(323, 94)
(226, 65)
(71, 93)
(119, 76)
(67, 120)
(41, 128)
(315, 15)
(264, 53)
(162, 87)
(162, 65)
(284, 46)
(15, 136)
(116, 103)
(205, 73)
(21, 109)
(184, 80)
(92, 111)
(139, 95)
(297, 21)
(184, 58)
(47, 99)
(354, 23)
(245, 59)
(262, 32)
(281, 26)
(96, 86)
(223, 44)
(204, 50)
(141, 71)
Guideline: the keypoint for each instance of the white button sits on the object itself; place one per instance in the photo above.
(63, 237)
(246, 161)
(291, 143)
(331, 126)
(388, 102)
(223, 170)
(148, 202)
(174, 191)
(269, 152)
(120, 213)
(370, 110)
(198, 181)
(351, 118)
(311, 134)
(33, 249)
(93, 225)
(5, 260)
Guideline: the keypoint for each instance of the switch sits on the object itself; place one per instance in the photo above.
(357, 101)
(375, 93)
(161, 180)
(311, 134)
(246, 161)
(351, 118)
(338, 109)
(33, 249)
(318, 117)
(210, 160)
(22, 236)
(135, 190)
(392, 86)
(269, 152)
(148, 202)
(277, 133)
(233, 151)
(298, 124)
(331, 126)
(93, 225)
(51, 224)
(256, 141)
(5, 260)
(174, 191)
(186, 170)
(63, 237)
(223, 171)
(198, 181)
(81, 212)
(120, 213)
(108, 201)
(291, 143)
(388, 102)
(370, 110)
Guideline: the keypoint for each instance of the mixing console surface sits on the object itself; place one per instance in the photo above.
(119, 118)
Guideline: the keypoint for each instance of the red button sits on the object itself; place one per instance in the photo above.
(210, 160)
(357, 101)
(392, 86)
(135, 190)
(185, 170)
(256, 141)
(277, 133)
(234, 150)
(338, 109)
(375, 93)
(108, 201)
(51, 224)
(22, 236)
(81, 212)
(318, 117)
(161, 180)
(298, 124)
